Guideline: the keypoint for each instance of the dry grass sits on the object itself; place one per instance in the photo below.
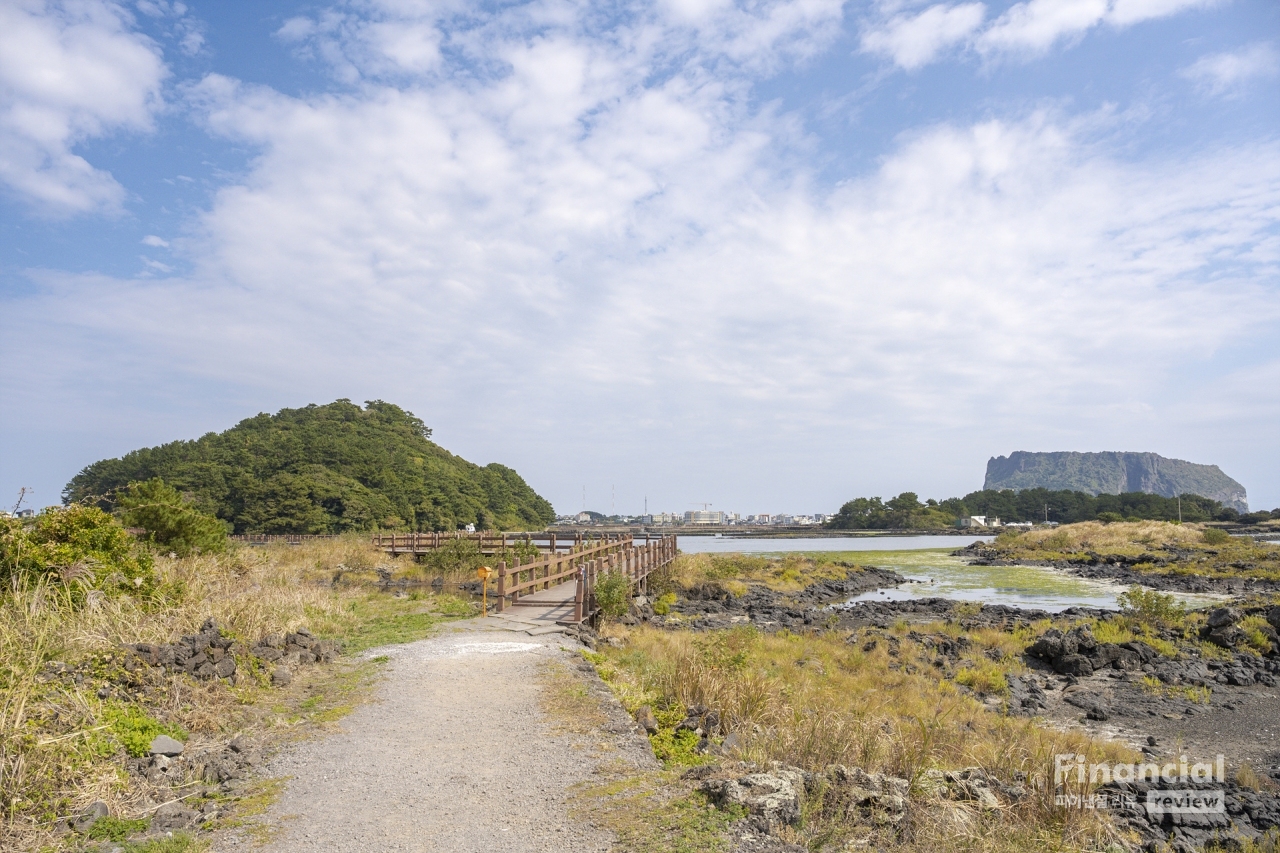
(1115, 538)
(56, 754)
(1181, 546)
(815, 700)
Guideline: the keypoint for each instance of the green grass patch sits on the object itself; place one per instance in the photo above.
(657, 813)
(133, 729)
(179, 842)
(678, 749)
(387, 622)
(115, 829)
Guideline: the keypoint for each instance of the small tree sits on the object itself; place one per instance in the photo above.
(170, 521)
(613, 594)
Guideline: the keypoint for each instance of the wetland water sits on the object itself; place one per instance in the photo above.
(934, 573)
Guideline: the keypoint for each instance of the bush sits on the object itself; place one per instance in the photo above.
(170, 521)
(1148, 605)
(1214, 536)
(613, 594)
(1110, 517)
(80, 544)
(662, 605)
(457, 556)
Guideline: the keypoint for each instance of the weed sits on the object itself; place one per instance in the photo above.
(1250, 778)
(678, 748)
(656, 813)
(134, 730)
(1255, 628)
(114, 828)
(662, 605)
(179, 842)
(984, 678)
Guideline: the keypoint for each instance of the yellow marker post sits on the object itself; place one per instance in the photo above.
(484, 573)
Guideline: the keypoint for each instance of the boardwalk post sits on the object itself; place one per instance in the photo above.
(580, 595)
(502, 586)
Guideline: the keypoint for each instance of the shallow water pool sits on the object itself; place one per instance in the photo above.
(935, 573)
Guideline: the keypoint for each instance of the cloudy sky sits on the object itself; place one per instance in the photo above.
(767, 254)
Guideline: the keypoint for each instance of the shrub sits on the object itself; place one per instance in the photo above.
(1214, 536)
(1148, 605)
(79, 544)
(1110, 517)
(456, 558)
(662, 606)
(170, 520)
(613, 594)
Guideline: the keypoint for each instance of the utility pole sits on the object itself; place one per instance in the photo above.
(1046, 513)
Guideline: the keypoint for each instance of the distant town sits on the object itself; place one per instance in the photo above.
(707, 517)
(715, 518)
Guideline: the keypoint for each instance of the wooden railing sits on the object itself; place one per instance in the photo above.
(495, 542)
(585, 564)
(278, 538)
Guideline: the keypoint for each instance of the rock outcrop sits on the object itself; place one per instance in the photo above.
(1114, 473)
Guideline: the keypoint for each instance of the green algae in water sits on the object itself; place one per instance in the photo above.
(935, 573)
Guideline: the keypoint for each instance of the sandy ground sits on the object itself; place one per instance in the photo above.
(453, 754)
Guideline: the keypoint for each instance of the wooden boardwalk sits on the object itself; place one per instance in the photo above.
(546, 611)
(557, 583)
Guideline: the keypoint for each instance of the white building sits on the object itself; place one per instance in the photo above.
(702, 516)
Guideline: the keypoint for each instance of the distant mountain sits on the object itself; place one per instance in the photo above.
(1114, 473)
(327, 469)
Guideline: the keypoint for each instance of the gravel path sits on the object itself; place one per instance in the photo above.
(453, 755)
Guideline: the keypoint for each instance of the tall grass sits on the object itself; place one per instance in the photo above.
(816, 700)
(1181, 548)
(53, 757)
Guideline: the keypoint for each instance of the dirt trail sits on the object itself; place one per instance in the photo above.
(454, 754)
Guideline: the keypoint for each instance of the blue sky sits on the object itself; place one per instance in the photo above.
(769, 255)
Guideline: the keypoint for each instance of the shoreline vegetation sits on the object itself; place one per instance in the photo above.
(734, 664)
(1035, 506)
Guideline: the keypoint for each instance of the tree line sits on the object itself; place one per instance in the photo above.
(907, 512)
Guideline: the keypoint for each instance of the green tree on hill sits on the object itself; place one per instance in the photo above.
(326, 469)
(171, 522)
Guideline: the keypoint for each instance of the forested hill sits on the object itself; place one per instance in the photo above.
(327, 469)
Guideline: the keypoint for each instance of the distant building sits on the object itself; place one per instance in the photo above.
(702, 516)
(25, 513)
(979, 521)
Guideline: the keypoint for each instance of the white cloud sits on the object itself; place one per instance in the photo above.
(70, 71)
(1025, 29)
(915, 40)
(1220, 73)
(1036, 25)
(154, 241)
